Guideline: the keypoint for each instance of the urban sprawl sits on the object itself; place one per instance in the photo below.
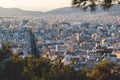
(77, 39)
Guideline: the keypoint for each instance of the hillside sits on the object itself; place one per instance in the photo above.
(78, 10)
(65, 10)
(17, 12)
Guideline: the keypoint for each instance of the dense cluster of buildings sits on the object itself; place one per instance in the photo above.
(75, 39)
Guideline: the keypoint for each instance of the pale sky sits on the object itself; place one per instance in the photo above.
(36, 5)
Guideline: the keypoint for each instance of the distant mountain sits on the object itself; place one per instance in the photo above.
(78, 10)
(65, 10)
(114, 8)
(17, 12)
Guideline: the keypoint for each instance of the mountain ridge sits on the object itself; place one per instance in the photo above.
(74, 9)
(64, 10)
(17, 12)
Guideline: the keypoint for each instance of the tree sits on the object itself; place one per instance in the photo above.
(102, 71)
(36, 68)
(5, 52)
(84, 4)
(11, 69)
(58, 71)
(32, 68)
(29, 68)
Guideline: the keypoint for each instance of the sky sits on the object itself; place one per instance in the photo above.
(35, 5)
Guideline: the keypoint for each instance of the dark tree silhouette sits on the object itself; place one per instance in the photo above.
(105, 71)
(84, 4)
(5, 52)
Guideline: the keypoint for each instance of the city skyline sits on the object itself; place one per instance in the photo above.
(35, 5)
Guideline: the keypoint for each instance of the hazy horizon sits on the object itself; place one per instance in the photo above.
(35, 5)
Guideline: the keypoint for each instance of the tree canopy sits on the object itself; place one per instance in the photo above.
(31, 68)
(104, 71)
(5, 52)
(84, 4)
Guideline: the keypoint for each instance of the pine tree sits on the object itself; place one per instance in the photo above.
(84, 4)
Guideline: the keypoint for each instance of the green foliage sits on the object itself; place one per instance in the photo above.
(31, 68)
(5, 52)
(58, 71)
(11, 68)
(24, 69)
(102, 71)
(37, 69)
(84, 4)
